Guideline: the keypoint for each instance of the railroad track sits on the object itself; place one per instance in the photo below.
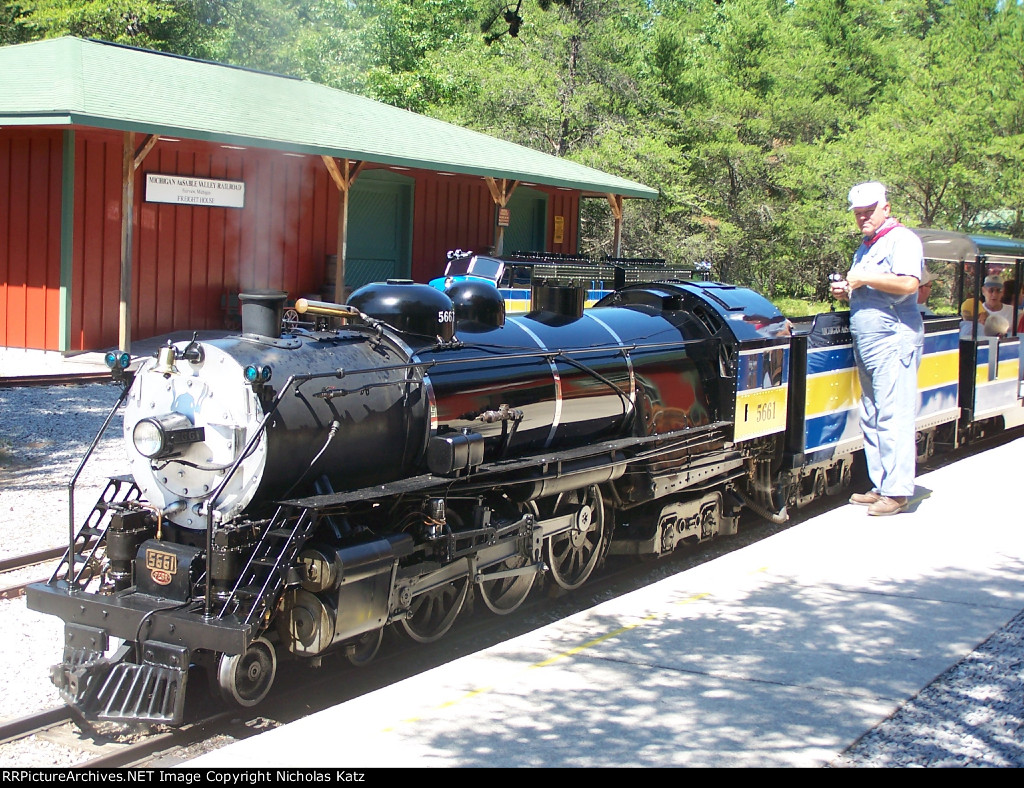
(106, 745)
(62, 379)
(17, 563)
(20, 562)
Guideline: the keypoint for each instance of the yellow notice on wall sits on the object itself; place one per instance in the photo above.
(559, 230)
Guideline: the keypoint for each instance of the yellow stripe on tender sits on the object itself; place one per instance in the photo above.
(760, 412)
(828, 392)
(831, 391)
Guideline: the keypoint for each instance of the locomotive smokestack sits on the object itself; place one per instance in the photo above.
(262, 311)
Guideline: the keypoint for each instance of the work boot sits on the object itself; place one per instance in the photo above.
(885, 506)
(865, 499)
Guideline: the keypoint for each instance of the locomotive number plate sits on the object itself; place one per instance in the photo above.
(162, 566)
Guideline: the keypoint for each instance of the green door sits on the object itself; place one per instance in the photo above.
(528, 221)
(379, 229)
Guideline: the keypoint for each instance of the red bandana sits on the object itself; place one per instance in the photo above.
(887, 225)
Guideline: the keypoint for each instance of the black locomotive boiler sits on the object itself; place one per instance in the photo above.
(295, 493)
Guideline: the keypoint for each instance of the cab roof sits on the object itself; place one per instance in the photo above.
(956, 247)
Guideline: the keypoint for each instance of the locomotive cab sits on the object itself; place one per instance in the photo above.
(751, 374)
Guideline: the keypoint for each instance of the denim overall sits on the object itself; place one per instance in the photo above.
(888, 339)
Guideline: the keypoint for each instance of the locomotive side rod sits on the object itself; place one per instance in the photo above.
(418, 582)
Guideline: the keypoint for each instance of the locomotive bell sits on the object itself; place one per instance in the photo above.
(407, 307)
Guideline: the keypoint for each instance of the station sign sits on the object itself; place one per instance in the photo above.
(193, 190)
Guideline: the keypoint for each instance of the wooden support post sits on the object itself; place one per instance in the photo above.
(124, 337)
(131, 160)
(67, 235)
(500, 193)
(615, 201)
(343, 175)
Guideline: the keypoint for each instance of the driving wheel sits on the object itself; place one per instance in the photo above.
(245, 679)
(365, 648)
(502, 595)
(574, 554)
(432, 614)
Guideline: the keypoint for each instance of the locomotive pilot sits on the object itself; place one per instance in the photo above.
(888, 339)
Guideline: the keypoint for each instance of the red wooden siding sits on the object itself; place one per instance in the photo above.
(449, 212)
(457, 212)
(188, 257)
(185, 258)
(565, 204)
(30, 179)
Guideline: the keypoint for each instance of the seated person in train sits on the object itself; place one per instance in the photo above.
(967, 312)
(993, 304)
(993, 292)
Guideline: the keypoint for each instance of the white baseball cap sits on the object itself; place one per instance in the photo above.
(864, 195)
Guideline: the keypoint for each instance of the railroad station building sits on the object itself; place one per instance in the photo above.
(140, 191)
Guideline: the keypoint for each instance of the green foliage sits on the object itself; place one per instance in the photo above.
(796, 307)
(752, 117)
(144, 23)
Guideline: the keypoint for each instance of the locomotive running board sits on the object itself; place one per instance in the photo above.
(645, 449)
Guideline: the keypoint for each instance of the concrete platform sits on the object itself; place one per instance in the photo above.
(781, 654)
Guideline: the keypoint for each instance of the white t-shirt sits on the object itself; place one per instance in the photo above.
(1006, 311)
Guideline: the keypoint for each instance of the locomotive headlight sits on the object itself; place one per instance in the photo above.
(163, 436)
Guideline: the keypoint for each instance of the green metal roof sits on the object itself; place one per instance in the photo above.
(73, 81)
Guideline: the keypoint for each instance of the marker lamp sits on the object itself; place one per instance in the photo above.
(115, 360)
(257, 374)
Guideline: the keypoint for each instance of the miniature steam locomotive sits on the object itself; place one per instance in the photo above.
(292, 494)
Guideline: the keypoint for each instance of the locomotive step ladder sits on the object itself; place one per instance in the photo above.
(265, 574)
(87, 541)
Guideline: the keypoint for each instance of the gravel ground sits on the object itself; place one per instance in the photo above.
(44, 433)
(973, 715)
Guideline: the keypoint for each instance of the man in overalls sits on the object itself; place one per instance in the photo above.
(888, 338)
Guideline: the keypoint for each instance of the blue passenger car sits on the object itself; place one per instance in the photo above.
(990, 367)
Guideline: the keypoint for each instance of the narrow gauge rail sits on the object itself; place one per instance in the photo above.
(111, 754)
(30, 559)
(37, 721)
(24, 562)
(63, 379)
